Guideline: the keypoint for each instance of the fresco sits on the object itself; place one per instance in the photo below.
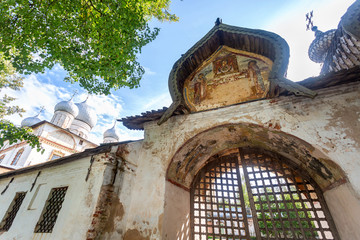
(228, 77)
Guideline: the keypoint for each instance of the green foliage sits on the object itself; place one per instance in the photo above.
(97, 42)
(283, 216)
(8, 131)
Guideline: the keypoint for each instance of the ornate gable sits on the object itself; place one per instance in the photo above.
(230, 65)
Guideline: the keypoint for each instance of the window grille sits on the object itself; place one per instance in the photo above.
(52, 208)
(251, 195)
(12, 211)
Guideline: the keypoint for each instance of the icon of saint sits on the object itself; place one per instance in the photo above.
(199, 88)
(256, 81)
(225, 67)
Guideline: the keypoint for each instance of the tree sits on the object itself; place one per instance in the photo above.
(96, 41)
(8, 131)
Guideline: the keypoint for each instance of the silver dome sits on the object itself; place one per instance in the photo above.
(29, 121)
(86, 114)
(321, 44)
(111, 133)
(67, 106)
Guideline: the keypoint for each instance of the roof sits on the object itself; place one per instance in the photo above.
(74, 157)
(256, 41)
(344, 50)
(137, 122)
(314, 83)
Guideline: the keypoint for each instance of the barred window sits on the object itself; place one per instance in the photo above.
(12, 211)
(51, 210)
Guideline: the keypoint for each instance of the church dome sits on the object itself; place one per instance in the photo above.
(67, 106)
(29, 121)
(86, 114)
(111, 133)
(321, 44)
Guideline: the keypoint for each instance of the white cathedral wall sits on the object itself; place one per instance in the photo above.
(53, 140)
(80, 128)
(75, 215)
(329, 122)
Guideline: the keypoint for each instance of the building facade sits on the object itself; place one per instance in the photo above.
(60, 137)
(241, 153)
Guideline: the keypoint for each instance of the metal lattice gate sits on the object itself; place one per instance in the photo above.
(249, 195)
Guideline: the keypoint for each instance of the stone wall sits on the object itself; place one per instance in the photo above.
(325, 128)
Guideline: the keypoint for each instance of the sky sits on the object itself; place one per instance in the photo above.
(196, 17)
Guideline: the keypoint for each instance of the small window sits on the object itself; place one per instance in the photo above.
(12, 211)
(17, 157)
(81, 142)
(2, 157)
(55, 155)
(51, 210)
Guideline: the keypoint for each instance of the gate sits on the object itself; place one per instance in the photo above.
(254, 195)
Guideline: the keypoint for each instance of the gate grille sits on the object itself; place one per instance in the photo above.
(250, 195)
(218, 206)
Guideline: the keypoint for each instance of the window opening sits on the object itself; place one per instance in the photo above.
(2, 157)
(12, 211)
(51, 210)
(250, 195)
(55, 156)
(17, 157)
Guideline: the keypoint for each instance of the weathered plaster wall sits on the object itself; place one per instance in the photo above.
(176, 223)
(327, 124)
(345, 209)
(75, 215)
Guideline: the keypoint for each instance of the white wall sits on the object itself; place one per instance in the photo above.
(75, 216)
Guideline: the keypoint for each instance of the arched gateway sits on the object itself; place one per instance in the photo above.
(252, 194)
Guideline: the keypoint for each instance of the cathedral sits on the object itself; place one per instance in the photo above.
(66, 134)
(241, 153)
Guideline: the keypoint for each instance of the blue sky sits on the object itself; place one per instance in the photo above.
(196, 18)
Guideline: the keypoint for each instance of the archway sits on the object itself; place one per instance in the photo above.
(254, 194)
(198, 151)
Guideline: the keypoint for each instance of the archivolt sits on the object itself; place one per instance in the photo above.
(196, 152)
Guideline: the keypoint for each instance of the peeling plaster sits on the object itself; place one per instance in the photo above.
(184, 168)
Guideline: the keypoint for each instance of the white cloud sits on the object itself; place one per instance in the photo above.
(163, 100)
(35, 94)
(148, 71)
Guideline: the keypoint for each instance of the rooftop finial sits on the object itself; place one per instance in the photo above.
(87, 97)
(42, 108)
(75, 92)
(310, 23)
(218, 21)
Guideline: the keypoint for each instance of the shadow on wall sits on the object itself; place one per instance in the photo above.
(184, 233)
